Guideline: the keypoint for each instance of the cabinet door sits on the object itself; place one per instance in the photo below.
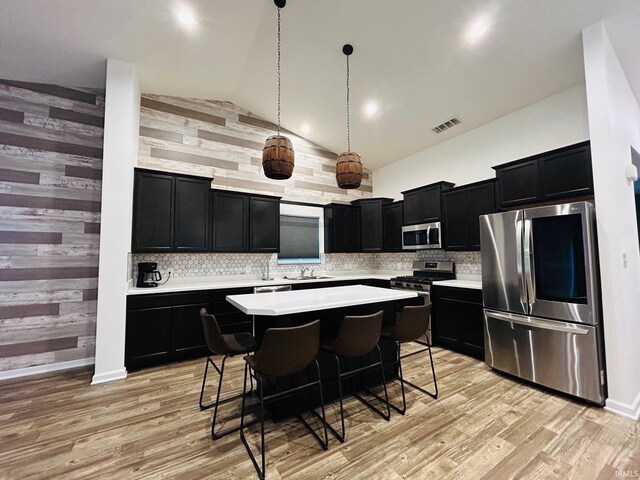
(152, 212)
(481, 201)
(148, 337)
(567, 174)
(230, 211)
(447, 323)
(371, 231)
(392, 227)
(518, 184)
(187, 333)
(456, 220)
(339, 229)
(352, 230)
(472, 329)
(264, 224)
(412, 211)
(192, 214)
(431, 203)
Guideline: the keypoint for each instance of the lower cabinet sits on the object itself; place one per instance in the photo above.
(457, 320)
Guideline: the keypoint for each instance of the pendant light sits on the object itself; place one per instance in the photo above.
(278, 157)
(349, 166)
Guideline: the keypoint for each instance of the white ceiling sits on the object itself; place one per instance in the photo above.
(410, 56)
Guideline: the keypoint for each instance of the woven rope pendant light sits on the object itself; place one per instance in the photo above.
(278, 157)
(349, 165)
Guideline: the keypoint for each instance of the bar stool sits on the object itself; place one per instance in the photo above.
(411, 326)
(284, 351)
(227, 345)
(357, 337)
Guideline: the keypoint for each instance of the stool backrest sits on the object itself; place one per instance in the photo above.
(212, 335)
(358, 335)
(413, 323)
(288, 350)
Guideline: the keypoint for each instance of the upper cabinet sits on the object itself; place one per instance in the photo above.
(341, 228)
(422, 204)
(170, 213)
(244, 222)
(461, 211)
(371, 222)
(559, 174)
(392, 227)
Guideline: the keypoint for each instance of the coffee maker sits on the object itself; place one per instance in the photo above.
(148, 275)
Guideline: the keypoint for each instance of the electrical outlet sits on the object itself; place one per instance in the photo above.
(624, 260)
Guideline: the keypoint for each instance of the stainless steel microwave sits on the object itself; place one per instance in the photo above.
(423, 236)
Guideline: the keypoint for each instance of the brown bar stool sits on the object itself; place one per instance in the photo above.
(357, 337)
(411, 327)
(227, 345)
(284, 351)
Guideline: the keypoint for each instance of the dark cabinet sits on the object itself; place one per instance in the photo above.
(192, 214)
(153, 212)
(341, 228)
(461, 211)
(422, 204)
(559, 174)
(186, 331)
(458, 320)
(148, 337)
(392, 227)
(264, 224)
(371, 223)
(170, 213)
(245, 223)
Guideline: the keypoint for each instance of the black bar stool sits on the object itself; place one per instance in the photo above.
(227, 345)
(284, 351)
(411, 327)
(357, 337)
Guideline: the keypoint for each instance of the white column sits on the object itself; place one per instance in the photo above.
(121, 125)
(614, 125)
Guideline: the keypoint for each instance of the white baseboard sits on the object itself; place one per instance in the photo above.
(51, 367)
(631, 411)
(119, 374)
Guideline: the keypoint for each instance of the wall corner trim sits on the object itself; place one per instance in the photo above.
(51, 367)
(109, 376)
(631, 411)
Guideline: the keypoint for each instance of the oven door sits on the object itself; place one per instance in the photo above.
(415, 237)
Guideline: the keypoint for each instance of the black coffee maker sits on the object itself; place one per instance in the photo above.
(148, 275)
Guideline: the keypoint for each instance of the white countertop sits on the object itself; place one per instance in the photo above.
(187, 284)
(298, 301)
(459, 283)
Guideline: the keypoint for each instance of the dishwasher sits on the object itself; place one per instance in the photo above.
(267, 289)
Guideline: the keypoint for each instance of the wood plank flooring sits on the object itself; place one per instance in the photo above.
(483, 426)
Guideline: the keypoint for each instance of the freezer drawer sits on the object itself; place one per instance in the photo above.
(558, 355)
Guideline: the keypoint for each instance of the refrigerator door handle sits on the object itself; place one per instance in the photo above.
(528, 264)
(523, 294)
(543, 324)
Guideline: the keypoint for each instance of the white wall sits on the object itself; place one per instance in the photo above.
(550, 123)
(121, 128)
(614, 123)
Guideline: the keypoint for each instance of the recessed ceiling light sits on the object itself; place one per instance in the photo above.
(371, 109)
(305, 129)
(477, 30)
(186, 17)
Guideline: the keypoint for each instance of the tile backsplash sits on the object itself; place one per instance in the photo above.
(211, 264)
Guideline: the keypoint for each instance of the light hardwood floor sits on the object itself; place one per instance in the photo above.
(483, 426)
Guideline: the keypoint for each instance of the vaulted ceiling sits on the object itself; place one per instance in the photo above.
(411, 57)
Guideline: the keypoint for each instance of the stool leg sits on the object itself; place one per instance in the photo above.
(204, 381)
(261, 473)
(403, 410)
(384, 384)
(433, 373)
(323, 443)
(339, 436)
(324, 418)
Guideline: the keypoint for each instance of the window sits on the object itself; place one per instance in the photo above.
(300, 234)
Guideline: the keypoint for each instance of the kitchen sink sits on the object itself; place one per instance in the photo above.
(309, 277)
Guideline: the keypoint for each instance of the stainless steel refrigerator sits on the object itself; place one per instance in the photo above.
(541, 298)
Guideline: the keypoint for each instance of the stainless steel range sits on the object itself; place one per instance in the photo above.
(424, 274)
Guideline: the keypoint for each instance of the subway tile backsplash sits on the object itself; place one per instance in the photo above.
(211, 264)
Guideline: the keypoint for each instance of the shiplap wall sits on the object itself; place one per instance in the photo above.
(50, 181)
(223, 141)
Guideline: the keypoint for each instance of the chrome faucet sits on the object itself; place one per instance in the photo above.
(265, 273)
(302, 272)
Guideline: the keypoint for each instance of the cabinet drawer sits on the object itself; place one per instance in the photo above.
(460, 294)
(135, 302)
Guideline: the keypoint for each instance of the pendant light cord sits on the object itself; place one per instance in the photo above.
(348, 111)
(278, 70)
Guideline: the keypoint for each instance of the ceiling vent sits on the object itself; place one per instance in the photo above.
(452, 122)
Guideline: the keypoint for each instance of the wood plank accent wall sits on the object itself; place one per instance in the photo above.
(51, 142)
(221, 140)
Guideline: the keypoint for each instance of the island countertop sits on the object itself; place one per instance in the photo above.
(298, 301)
